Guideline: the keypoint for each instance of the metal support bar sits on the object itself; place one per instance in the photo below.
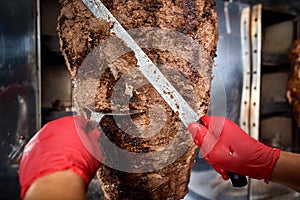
(255, 34)
(246, 60)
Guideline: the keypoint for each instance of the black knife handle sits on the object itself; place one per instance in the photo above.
(237, 180)
(200, 122)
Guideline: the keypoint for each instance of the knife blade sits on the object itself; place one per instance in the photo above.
(95, 117)
(171, 96)
(146, 66)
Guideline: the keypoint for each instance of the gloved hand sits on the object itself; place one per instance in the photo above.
(228, 148)
(61, 144)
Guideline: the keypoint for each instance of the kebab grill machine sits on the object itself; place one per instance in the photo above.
(252, 72)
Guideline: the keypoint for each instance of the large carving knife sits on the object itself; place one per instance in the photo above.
(153, 75)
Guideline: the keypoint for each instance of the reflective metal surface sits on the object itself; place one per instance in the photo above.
(285, 6)
(18, 88)
(229, 60)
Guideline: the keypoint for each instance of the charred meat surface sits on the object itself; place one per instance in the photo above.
(180, 37)
(293, 84)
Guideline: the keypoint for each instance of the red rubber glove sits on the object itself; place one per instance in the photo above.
(61, 144)
(228, 148)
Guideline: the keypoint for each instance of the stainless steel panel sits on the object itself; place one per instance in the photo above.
(284, 6)
(18, 87)
(18, 73)
(230, 55)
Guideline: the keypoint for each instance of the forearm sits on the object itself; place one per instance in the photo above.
(286, 170)
(64, 185)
